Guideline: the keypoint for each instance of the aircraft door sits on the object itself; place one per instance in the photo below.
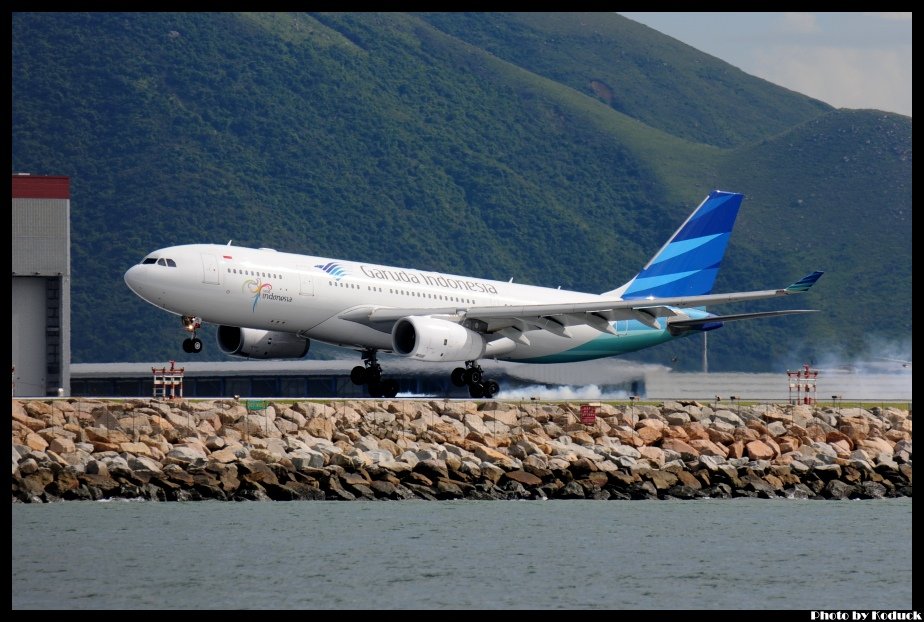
(209, 269)
(305, 282)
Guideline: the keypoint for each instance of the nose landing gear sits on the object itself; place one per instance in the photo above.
(192, 344)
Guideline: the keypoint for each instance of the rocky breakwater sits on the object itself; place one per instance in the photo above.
(190, 450)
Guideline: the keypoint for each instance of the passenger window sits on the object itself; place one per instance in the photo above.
(171, 263)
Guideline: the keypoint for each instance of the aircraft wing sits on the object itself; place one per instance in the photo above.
(556, 317)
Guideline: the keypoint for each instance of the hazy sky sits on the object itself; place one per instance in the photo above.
(849, 60)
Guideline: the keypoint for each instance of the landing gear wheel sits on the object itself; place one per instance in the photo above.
(389, 388)
(458, 376)
(490, 388)
(191, 324)
(476, 390)
(472, 376)
(358, 375)
(369, 373)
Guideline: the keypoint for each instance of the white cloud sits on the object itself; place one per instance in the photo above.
(842, 77)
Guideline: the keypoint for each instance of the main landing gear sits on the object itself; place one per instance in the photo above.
(192, 344)
(473, 376)
(370, 374)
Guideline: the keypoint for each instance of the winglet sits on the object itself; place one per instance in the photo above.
(804, 283)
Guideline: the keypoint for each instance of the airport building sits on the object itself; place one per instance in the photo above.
(41, 306)
(331, 378)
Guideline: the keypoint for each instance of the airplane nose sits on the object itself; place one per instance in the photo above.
(133, 280)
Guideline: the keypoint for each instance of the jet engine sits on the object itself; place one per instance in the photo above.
(427, 338)
(261, 344)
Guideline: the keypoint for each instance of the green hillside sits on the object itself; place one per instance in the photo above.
(463, 143)
(639, 71)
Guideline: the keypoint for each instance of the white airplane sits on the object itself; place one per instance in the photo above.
(270, 304)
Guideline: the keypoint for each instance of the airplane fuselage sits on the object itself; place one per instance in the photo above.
(306, 295)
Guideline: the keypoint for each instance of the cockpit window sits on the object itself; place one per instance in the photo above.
(148, 260)
(171, 263)
(161, 262)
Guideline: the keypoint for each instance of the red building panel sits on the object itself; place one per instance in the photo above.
(41, 187)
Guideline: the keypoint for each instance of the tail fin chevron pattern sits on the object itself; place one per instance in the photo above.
(689, 262)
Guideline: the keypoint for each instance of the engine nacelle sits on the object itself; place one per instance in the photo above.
(431, 339)
(261, 344)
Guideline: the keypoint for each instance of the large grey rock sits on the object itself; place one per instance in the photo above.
(293, 415)
(711, 462)
(411, 458)
(348, 462)
(379, 417)
(183, 454)
(776, 428)
(902, 451)
(491, 472)
(871, 490)
(625, 462)
(97, 467)
(799, 491)
(472, 468)
(626, 450)
(285, 426)
(862, 465)
(475, 423)
(836, 489)
(426, 454)
(723, 426)
(455, 449)
(366, 443)
(798, 467)
(377, 456)
(143, 463)
(728, 417)
(28, 466)
(306, 458)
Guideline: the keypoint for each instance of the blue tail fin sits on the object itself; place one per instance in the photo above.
(688, 264)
